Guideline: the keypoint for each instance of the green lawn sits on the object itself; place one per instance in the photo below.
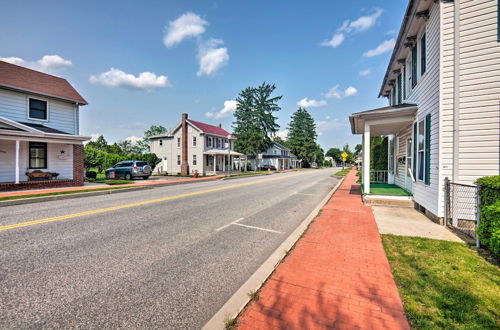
(386, 189)
(343, 172)
(444, 285)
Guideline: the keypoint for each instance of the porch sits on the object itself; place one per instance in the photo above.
(217, 162)
(394, 123)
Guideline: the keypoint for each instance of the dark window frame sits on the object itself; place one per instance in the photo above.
(32, 108)
(41, 145)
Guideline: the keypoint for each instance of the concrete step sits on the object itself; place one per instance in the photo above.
(401, 201)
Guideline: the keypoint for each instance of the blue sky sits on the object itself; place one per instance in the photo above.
(195, 56)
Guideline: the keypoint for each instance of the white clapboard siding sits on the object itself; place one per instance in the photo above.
(479, 95)
(62, 115)
(400, 177)
(426, 96)
(56, 162)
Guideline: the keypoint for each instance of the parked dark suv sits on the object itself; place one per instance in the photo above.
(129, 169)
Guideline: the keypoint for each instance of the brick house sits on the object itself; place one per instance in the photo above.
(40, 145)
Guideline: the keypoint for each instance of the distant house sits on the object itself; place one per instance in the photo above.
(40, 145)
(193, 146)
(443, 88)
(276, 155)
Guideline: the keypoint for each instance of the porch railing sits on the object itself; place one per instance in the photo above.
(378, 176)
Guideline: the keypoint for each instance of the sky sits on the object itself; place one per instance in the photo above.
(143, 63)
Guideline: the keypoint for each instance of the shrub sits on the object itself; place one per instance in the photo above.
(489, 225)
(91, 175)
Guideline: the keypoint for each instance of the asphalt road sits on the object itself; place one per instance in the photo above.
(162, 258)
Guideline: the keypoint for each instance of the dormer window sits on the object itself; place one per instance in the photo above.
(37, 109)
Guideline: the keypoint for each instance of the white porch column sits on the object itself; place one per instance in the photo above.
(224, 163)
(17, 161)
(215, 164)
(366, 159)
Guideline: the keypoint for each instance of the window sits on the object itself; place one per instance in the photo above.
(399, 89)
(414, 66)
(37, 109)
(194, 159)
(178, 159)
(210, 142)
(404, 83)
(161, 142)
(423, 54)
(219, 143)
(38, 155)
(178, 142)
(421, 150)
(194, 141)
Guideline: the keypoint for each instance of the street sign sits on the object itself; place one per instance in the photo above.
(344, 154)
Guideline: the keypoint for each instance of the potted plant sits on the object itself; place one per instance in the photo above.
(54, 175)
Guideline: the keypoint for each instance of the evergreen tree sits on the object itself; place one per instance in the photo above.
(99, 144)
(302, 136)
(265, 104)
(143, 145)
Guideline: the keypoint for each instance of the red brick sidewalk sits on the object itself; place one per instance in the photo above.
(337, 276)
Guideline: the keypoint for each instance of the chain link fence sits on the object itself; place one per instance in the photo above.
(462, 207)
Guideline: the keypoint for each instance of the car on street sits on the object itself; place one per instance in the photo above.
(268, 168)
(129, 169)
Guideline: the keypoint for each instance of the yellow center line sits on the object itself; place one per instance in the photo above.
(151, 201)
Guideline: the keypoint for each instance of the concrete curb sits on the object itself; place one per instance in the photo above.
(29, 200)
(233, 307)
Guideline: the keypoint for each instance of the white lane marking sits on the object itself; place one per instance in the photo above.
(229, 224)
(259, 228)
(299, 193)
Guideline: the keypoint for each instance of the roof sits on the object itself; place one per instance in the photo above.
(23, 79)
(407, 28)
(210, 129)
(400, 113)
(43, 128)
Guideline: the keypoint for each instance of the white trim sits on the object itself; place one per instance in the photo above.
(28, 98)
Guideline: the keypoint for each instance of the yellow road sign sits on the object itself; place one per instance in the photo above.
(344, 154)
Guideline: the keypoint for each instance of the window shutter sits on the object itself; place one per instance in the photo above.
(414, 66)
(415, 150)
(428, 149)
(423, 54)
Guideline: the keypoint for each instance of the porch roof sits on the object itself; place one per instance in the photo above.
(14, 130)
(222, 152)
(385, 120)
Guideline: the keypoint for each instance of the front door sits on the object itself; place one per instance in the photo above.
(408, 166)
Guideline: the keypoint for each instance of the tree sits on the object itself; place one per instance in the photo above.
(100, 143)
(302, 136)
(255, 124)
(319, 156)
(280, 140)
(349, 153)
(357, 149)
(335, 153)
(378, 153)
(143, 145)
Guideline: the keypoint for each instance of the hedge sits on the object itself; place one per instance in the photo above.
(103, 160)
(489, 225)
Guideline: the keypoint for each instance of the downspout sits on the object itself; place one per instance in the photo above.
(456, 87)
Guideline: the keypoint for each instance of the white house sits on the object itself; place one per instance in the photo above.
(193, 146)
(443, 87)
(39, 129)
(276, 155)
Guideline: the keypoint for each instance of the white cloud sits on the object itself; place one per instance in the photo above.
(363, 23)
(185, 26)
(227, 110)
(335, 41)
(117, 78)
(282, 134)
(365, 72)
(133, 139)
(384, 47)
(334, 93)
(306, 103)
(350, 91)
(211, 57)
(328, 124)
(48, 63)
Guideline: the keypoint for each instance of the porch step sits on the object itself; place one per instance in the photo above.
(401, 201)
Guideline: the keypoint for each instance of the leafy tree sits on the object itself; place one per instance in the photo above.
(255, 123)
(319, 156)
(378, 153)
(100, 143)
(114, 149)
(335, 153)
(349, 153)
(279, 140)
(93, 158)
(152, 131)
(302, 136)
(357, 149)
